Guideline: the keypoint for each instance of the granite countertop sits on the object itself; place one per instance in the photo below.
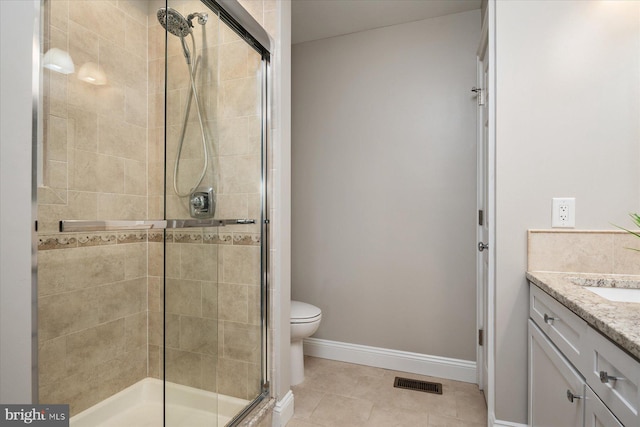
(620, 321)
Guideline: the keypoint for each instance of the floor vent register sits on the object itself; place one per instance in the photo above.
(417, 385)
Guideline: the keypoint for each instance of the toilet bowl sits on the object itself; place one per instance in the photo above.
(305, 320)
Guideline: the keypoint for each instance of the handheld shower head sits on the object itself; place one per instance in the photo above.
(174, 22)
(178, 25)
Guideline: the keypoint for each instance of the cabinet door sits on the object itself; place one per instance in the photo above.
(552, 383)
(596, 413)
(622, 396)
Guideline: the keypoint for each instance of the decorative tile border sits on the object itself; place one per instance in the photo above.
(132, 237)
(187, 237)
(155, 236)
(56, 242)
(214, 238)
(97, 239)
(80, 240)
(246, 239)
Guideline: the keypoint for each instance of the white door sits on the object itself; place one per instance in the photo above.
(483, 212)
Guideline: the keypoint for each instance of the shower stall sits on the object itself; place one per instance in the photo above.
(152, 212)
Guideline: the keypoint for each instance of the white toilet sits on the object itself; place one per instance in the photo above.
(305, 320)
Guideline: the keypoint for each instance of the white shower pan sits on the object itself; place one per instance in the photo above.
(140, 405)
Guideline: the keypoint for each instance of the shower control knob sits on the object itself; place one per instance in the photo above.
(202, 203)
(199, 202)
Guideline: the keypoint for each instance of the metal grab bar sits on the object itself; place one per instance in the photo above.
(195, 223)
(82, 225)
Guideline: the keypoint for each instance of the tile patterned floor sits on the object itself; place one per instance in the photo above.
(337, 394)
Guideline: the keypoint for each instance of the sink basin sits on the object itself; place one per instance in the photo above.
(617, 294)
(619, 289)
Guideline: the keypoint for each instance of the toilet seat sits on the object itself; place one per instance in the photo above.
(302, 312)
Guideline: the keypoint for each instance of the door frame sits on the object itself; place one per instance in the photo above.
(486, 314)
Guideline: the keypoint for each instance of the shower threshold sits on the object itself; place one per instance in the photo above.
(140, 405)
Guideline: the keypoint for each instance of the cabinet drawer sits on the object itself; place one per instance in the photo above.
(622, 395)
(596, 414)
(565, 329)
(552, 382)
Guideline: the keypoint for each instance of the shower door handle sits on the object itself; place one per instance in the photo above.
(197, 223)
(81, 225)
(160, 224)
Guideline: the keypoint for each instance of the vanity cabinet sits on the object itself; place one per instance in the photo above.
(596, 414)
(556, 389)
(577, 377)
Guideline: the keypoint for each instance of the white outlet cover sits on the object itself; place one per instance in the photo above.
(563, 212)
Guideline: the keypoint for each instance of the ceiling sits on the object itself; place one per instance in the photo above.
(319, 19)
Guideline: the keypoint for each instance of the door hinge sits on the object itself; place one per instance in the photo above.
(480, 217)
(480, 337)
(479, 95)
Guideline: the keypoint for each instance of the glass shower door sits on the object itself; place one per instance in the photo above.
(214, 172)
(151, 201)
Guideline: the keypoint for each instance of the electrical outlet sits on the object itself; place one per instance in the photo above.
(563, 212)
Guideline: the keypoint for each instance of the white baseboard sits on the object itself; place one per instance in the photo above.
(283, 411)
(498, 423)
(416, 363)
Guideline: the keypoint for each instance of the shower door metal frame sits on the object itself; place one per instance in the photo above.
(239, 20)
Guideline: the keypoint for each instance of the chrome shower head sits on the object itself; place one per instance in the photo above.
(174, 22)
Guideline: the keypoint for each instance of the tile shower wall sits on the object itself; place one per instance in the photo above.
(212, 312)
(92, 288)
(101, 294)
(95, 137)
(92, 315)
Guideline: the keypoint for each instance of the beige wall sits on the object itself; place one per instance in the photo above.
(567, 126)
(383, 182)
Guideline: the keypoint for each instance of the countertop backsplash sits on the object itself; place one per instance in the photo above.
(583, 251)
